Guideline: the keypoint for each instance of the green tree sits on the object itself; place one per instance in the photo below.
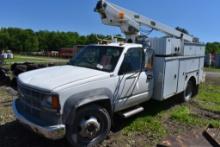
(213, 47)
(4, 39)
(26, 40)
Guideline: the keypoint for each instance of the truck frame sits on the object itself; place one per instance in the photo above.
(80, 100)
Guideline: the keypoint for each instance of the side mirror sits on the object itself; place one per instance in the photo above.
(149, 60)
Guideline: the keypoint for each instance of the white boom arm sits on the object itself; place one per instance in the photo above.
(131, 22)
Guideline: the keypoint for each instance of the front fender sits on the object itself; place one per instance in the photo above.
(80, 99)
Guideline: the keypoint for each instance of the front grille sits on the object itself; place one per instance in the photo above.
(37, 116)
(29, 105)
(32, 96)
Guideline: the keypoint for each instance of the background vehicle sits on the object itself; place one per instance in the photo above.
(79, 100)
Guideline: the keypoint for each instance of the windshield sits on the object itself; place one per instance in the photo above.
(102, 58)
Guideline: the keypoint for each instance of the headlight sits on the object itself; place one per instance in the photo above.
(52, 102)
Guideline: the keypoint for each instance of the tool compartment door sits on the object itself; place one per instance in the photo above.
(170, 78)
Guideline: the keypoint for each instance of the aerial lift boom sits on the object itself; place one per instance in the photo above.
(131, 22)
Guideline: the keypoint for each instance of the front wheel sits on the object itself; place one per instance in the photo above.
(91, 126)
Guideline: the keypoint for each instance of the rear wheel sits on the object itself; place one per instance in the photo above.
(188, 92)
(91, 126)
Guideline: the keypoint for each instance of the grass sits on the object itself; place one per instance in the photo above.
(212, 69)
(209, 97)
(34, 59)
(154, 126)
(5, 106)
(184, 115)
(151, 127)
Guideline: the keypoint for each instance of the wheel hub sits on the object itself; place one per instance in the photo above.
(89, 127)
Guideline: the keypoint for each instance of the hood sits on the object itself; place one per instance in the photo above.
(54, 77)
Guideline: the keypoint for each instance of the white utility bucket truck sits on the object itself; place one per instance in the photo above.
(79, 100)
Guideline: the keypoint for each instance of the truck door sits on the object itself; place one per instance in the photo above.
(134, 84)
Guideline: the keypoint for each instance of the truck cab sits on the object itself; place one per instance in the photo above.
(79, 100)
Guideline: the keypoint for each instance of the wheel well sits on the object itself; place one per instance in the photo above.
(195, 87)
(103, 103)
(106, 104)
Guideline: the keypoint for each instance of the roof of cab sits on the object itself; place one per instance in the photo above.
(129, 45)
(124, 45)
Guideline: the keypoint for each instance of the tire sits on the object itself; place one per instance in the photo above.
(91, 126)
(188, 92)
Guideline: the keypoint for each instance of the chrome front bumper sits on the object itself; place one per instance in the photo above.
(51, 132)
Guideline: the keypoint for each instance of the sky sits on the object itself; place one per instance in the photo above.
(200, 17)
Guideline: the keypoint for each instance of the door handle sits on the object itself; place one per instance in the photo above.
(132, 77)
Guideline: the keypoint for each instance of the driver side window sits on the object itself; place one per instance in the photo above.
(133, 61)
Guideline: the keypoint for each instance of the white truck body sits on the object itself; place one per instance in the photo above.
(174, 63)
(173, 74)
(169, 77)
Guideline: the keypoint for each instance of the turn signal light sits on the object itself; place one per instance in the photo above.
(55, 102)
